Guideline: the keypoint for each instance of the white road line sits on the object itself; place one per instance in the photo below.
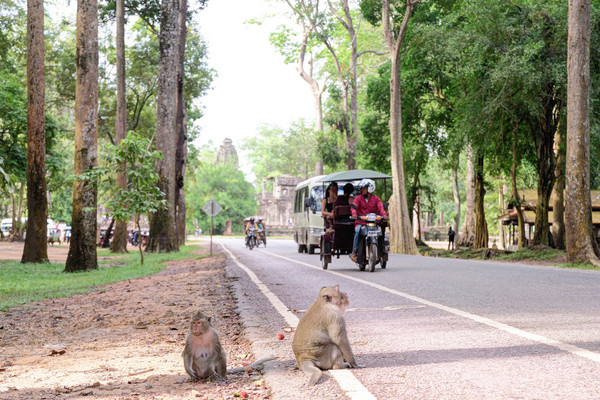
(281, 308)
(578, 351)
(345, 379)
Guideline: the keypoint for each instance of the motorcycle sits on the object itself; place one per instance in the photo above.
(251, 238)
(373, 244)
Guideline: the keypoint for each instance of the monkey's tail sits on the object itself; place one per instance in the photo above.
(250, 366)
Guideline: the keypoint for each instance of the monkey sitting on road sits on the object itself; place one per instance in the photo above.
(321, 341)
(203, 356)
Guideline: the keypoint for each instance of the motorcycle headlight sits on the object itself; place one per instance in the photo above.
(371, 217)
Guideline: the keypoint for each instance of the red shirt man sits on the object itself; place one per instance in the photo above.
(366, 202)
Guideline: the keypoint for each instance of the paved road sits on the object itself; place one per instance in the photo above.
(432, 328)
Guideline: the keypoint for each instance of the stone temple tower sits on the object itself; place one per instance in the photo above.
(227, 154)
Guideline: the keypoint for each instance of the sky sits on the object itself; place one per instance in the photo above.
(253, 86)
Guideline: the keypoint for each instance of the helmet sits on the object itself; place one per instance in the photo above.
(368, 183)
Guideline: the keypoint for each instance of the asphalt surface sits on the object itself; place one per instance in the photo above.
(431, 328)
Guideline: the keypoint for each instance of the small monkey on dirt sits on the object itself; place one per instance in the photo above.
(321, 341)
(203, 356)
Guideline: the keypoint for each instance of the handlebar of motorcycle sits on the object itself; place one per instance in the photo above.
(364, 217)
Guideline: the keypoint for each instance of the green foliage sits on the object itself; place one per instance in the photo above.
(226, 185)
(24, 283)
(274, 152)
(142, 195)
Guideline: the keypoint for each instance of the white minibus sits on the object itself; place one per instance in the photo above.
(308, 222)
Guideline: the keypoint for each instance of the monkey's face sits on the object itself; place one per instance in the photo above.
(199, 326)
(333, 296)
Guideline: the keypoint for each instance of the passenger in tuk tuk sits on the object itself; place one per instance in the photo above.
(366, 202)
(331, 195)
(346, 198)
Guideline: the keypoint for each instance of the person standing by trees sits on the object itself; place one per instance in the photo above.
(451, 234)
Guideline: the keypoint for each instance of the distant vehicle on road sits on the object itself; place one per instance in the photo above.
(308, 222)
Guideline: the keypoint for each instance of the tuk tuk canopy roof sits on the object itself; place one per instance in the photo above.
(353, 174)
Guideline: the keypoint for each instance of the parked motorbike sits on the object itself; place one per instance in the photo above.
(251, 241)
(373, 245)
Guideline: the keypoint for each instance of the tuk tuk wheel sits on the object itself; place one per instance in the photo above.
(325, 261)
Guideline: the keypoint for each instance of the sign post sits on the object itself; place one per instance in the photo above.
(211, 209)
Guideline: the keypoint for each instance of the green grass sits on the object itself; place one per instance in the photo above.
(578, 266)
(546, 254)
(24, 283)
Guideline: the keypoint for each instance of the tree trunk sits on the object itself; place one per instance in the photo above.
(501, 210)
(36, 242)
(106, 239)
(515, 195)
(542, 226)
(181, 128)
(416, 220)
(353, 139)
(456, 196)
(119, 242)
(401, 238)
(82, 251)
(163, 237)
(558, 205)
(481, 230)
(467, 236)
(545, 170)
(581, 245)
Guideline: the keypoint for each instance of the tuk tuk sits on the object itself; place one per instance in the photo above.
(338, 235)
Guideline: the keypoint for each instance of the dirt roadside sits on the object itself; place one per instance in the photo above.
(123, 341)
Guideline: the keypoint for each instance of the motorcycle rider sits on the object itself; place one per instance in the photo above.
(366, 202)
(247, 226)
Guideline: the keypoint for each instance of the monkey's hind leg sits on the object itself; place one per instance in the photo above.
(337, 358)
(314, 373)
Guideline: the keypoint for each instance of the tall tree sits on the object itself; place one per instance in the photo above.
(401, 240)
(481, 229)
(82, 251)
(467, 234)
(119, 242)
(36, 244)
(304, 11)
(558, 206)
(581, 246)
(163, 236)
(181, 129)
